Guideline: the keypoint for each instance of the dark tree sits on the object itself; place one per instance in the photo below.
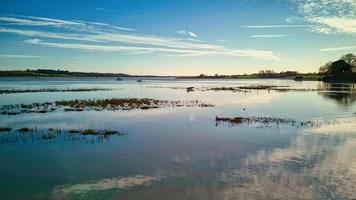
(339, 69)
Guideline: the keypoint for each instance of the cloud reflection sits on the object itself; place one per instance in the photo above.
(315, 166)
(104, 184)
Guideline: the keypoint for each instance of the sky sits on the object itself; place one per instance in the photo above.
(175, 37)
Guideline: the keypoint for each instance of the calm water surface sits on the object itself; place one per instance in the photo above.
(181, 153)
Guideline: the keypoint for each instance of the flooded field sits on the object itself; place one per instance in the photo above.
(204, 139)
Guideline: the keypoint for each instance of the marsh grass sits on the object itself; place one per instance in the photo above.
(89, 132)
(234, 120)
(25, 129)
(27, 134)
(268, 121)
(97, 105)
(261, 87)
(100, 132)
(73, 131)
(4, 129)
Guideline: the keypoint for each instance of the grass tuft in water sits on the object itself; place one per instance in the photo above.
(73, 131)
(90, 132)
(25, 129)
(3, 129)
(267, 121)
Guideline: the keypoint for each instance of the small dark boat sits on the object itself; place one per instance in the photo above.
(190, 89)
(119, 79)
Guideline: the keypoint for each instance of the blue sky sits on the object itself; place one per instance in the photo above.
(176, 37)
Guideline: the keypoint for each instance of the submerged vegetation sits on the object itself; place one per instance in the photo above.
(268, 121)
(27, 134)
(97, 105)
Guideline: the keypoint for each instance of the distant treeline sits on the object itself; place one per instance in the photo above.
(56, 73)
(65, 73)
(264, 74)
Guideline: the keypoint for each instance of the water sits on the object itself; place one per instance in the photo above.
(181, 153)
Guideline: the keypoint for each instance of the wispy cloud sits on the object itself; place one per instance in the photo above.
(189, 33)
(277, 26)
(94, 36)
(115, 37)
(328, 16)
(18, 56)
(221, 40)
(37, 21)
(344, 48)
(268, 36)
(104, 9)
(58, 23)
(169, 51)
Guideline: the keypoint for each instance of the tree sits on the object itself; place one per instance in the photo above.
(349, 59)
(343, 67)
(202, 75)
(340, 69)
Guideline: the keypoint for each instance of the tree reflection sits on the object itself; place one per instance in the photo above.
(341, 93)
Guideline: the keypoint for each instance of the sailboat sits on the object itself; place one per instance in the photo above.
(140, 80)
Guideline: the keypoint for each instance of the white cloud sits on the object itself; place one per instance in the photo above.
(277, 26)
(338, 48)
(329, 25)
(328, 16)
(268, 36)
(321, 16)
(189, 33)
(18, 56)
